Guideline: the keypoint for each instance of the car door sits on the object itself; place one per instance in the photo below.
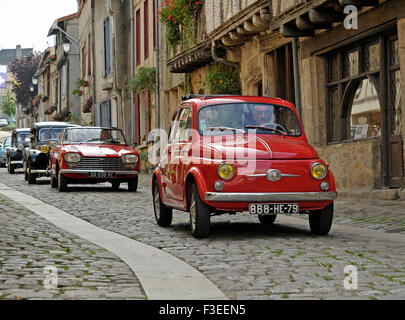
(180, 139)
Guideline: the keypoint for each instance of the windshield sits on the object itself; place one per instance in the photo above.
(23, 137)
(50, 134)
(263, 118)
(94, 135)
(7, 143)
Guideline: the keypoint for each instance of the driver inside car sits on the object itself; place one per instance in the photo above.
(261, 115)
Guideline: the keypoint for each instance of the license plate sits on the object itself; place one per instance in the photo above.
(102, 175)
(274, 208)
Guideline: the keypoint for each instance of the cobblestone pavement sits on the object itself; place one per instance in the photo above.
(245, 259)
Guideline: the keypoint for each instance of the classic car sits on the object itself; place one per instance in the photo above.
(36, 158)
(20, 139)
(89, 155)
(4, 145)
(234, 154)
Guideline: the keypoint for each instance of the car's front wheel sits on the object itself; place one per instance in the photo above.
(133, 184)
(32, 177)
(163, 214)
(320, 221)
(25, 171)
(62, 183)
(199, 214)
(115, 185)
(267, 219)
(10, 167)
(54, 182)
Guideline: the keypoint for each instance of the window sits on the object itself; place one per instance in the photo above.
(354, 75)
(146, 28)
(84, 61)
(89, 56)
(138, 37)
(103, 116)
(185, 125)
(107, 47)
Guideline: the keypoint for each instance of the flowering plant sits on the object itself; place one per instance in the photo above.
(178, 15)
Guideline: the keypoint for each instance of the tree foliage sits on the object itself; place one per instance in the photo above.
(8, 104)
(24, 69)
(145, 79)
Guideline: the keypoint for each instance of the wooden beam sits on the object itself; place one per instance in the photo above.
(322, 16)
(303, 23)
(291, 31)
(259, 23)
(359, 3)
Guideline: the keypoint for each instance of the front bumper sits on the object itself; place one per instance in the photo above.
(117, 172)
(16, 162)
(269, 197)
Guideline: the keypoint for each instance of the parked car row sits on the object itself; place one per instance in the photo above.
(226, 155)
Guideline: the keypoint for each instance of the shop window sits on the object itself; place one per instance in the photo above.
(365, 115)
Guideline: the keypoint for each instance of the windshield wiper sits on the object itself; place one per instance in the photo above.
(266, 129)
(225, 129)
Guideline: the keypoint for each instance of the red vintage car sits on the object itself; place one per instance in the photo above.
(89, 155)
(230, 154)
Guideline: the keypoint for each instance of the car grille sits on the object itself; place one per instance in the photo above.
(88, 163)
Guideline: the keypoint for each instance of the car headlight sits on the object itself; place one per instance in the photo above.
(226, 171)
(319, 171)
(130, 158)
(20, 147)
(44, 149)
(73, 157)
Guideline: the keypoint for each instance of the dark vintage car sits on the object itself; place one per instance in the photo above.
(36, 158)
(20, 139)
(234, 154)
(4, 146)
(89, 155)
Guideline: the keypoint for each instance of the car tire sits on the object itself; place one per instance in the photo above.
(54, 182)
(32, 177)
(133, 184)
(115, 185)
(25, 171)
(199, 214)
(163, 214)
(62, 183)
(267, 219)
(320, 221)
(10, 167)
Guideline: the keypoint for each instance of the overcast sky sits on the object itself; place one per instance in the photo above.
(27, 22)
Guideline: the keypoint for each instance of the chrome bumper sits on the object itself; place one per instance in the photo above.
(16, 162)
(117, 172)
(39, 171)
(266, 197)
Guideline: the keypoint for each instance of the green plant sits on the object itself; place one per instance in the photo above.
(179, 18)
(222, 79)
(144, 80)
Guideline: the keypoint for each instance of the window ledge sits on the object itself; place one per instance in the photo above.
(353, 141)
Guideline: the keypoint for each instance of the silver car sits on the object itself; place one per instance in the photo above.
(3, 122)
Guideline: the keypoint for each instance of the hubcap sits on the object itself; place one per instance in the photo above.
(193, 214)
(156, 203)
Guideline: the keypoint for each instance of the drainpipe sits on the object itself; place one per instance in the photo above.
(132, 67)
(297, 83)
(93, 56)
(220, 60)
(157, 107)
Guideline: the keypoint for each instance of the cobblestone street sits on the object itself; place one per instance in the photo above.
(243, 258)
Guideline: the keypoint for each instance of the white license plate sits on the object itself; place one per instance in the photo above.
(102, 175)
(274, 208)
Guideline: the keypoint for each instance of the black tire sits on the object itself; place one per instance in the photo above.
(32, 177)
(115, 185)
(199, 214)
(163, 214)
(320, 222)
(25, 171)
(62, 183)
(133, 184)
(267, 219)
(10, 167)
(54, 182)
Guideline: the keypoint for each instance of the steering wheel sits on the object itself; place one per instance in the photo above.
(275, 125)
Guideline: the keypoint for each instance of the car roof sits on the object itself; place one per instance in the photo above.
(204, 100)
(21, 129)
(55, 124)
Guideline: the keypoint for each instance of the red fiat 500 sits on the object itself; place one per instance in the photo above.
(236, 154)
(92, 155)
